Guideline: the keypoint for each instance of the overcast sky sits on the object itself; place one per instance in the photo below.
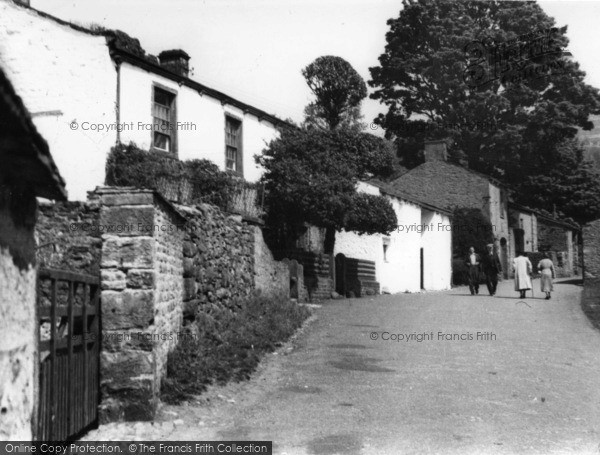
(254, 50)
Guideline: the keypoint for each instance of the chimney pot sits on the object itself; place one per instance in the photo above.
(436, 150)
(175, 60)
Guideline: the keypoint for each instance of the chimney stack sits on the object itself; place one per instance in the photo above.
(436, 150)
(175, 60)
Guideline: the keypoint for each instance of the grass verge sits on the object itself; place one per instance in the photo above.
(224, 345)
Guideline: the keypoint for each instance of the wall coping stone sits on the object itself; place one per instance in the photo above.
(113, 195)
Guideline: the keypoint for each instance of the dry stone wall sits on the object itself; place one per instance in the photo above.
(591, 252)
(271, 277)
(218, 259)
(18, 336)
(225, 260)
(158, 264)
(69, 236)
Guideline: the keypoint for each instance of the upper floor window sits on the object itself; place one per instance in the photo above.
(163, 119)
(233, 145)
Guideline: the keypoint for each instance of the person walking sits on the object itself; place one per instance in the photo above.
(474, 270)
(547, 274)
(491, 269)
(523, 269)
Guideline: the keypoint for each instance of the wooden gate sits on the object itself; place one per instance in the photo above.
(69, 330)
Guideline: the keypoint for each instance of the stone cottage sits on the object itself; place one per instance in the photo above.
(137, 97)
(449, 185)
(534, 232)
(27, 171)
(416, 256)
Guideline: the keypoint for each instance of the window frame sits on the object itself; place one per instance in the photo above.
(173, 115)
(239, 164)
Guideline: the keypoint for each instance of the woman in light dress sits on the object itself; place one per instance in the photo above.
(547, 274)
(523, 269)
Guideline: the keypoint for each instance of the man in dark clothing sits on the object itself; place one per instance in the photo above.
(474, 270)
(491, 269)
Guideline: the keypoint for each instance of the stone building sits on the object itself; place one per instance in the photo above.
(206, 123)
(416, 256)
(27, 171)
(514, 227)
(77, 90)
(443, 184)
(534, 232)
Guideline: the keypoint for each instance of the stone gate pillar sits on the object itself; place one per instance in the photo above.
(142, 295)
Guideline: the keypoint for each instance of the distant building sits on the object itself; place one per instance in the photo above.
(27, 171)
(443, 184)
(534, 232)
(515, 227)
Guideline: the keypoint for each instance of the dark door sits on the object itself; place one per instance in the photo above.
(519, 240)
(422, 266)
(340, 274)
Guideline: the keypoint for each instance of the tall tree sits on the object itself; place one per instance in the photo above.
(338, 91)
(311, 177)
(459, 67)
(571, 185)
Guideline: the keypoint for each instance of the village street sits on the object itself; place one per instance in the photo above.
(532, 389)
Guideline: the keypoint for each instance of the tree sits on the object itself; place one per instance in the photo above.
(572, 185)
(311, 177)
(338, 90)
(526, 87)
(470, 229)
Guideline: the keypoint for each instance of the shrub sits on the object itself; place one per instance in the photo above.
(186, 182)
(470, 228)
(228, 345)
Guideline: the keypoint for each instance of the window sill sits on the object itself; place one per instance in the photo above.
(165, 153)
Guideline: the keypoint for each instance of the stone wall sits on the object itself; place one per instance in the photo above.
(142, 293)
(591, 252)
(158, 264)
(18, 336)
(271, 277)
(226, 260)
(551, 237)
(558, 241)
(69, 236)
(298, 290)
(218, 259)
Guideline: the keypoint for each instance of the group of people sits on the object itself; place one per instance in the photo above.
(490, 266)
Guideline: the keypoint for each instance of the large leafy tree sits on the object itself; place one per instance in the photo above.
(311, 177)
(338, 91)
(571, 184)
(535, 99)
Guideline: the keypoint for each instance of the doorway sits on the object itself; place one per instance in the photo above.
(422, 267)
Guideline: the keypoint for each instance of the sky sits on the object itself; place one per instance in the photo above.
(254, 50)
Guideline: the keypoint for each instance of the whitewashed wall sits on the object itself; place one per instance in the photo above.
(207, 140)
(400, 271)
(62, 75)
(498, 213)
(437, 251)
